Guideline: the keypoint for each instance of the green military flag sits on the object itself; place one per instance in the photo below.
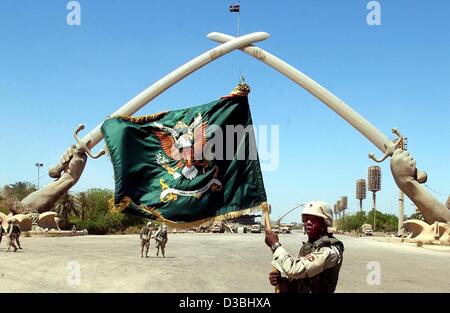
(187, 166)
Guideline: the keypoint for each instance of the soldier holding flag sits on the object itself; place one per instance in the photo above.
(316, 269)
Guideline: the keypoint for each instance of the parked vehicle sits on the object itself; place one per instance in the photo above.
(218, 228)
(241, 230)
(256, 228)
(367, 229)
(284, 229)
(202, 229)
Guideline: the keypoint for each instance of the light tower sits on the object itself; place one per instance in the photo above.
(360, 191)
(374, 185)
(343, 204)
(338, 208)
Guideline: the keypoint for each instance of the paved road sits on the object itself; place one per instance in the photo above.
(207, 263)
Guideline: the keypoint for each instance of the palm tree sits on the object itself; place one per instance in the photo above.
(66, 206)
(81, 200)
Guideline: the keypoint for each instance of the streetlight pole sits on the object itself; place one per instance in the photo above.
(278, 221)
(39, 165)
(374, 205)
(401, 197)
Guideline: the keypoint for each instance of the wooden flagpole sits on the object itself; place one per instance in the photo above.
(266, 211)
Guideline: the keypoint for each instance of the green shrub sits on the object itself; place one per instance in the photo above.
(96, 217)
(353, 222)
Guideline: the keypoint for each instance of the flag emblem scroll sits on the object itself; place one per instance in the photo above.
(187, 166)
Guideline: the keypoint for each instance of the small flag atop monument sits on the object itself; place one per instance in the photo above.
(235, 8)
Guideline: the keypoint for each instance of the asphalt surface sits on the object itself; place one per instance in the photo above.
(208, 263)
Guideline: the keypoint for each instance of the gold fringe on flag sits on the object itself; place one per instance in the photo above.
(184, 226)
(118, 208)
(241, 90)
(142, 119)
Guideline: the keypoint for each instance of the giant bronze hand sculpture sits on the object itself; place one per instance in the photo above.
(44, 199)
(403, 168)
(436, 214)
(32, 212)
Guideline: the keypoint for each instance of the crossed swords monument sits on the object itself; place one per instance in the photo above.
(403, 167)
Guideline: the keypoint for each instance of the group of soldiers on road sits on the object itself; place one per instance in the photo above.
(147, 233)
(13, 232)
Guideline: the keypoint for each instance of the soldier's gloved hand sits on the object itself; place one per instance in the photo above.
(274, 278)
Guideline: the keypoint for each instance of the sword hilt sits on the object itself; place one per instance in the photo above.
(421, 176)
(55, 171)
(85, 145)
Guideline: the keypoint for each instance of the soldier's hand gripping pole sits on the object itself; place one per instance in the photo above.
(266, 211)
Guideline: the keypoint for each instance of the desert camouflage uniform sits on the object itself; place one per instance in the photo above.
(161, 240)
(315, 270)
(13, 236)
(145, 235)
(1, 232)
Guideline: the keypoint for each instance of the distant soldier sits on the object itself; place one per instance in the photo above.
(145, 235)
(161, 238)
(1, 230)
(18, 231)
(13, 235)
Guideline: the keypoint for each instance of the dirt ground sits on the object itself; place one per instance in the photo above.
(198, 262)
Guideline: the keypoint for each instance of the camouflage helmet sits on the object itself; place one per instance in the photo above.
(320, 209)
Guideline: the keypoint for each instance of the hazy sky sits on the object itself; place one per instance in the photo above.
(54, 76)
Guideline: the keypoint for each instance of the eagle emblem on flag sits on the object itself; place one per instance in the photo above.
(183, 143)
